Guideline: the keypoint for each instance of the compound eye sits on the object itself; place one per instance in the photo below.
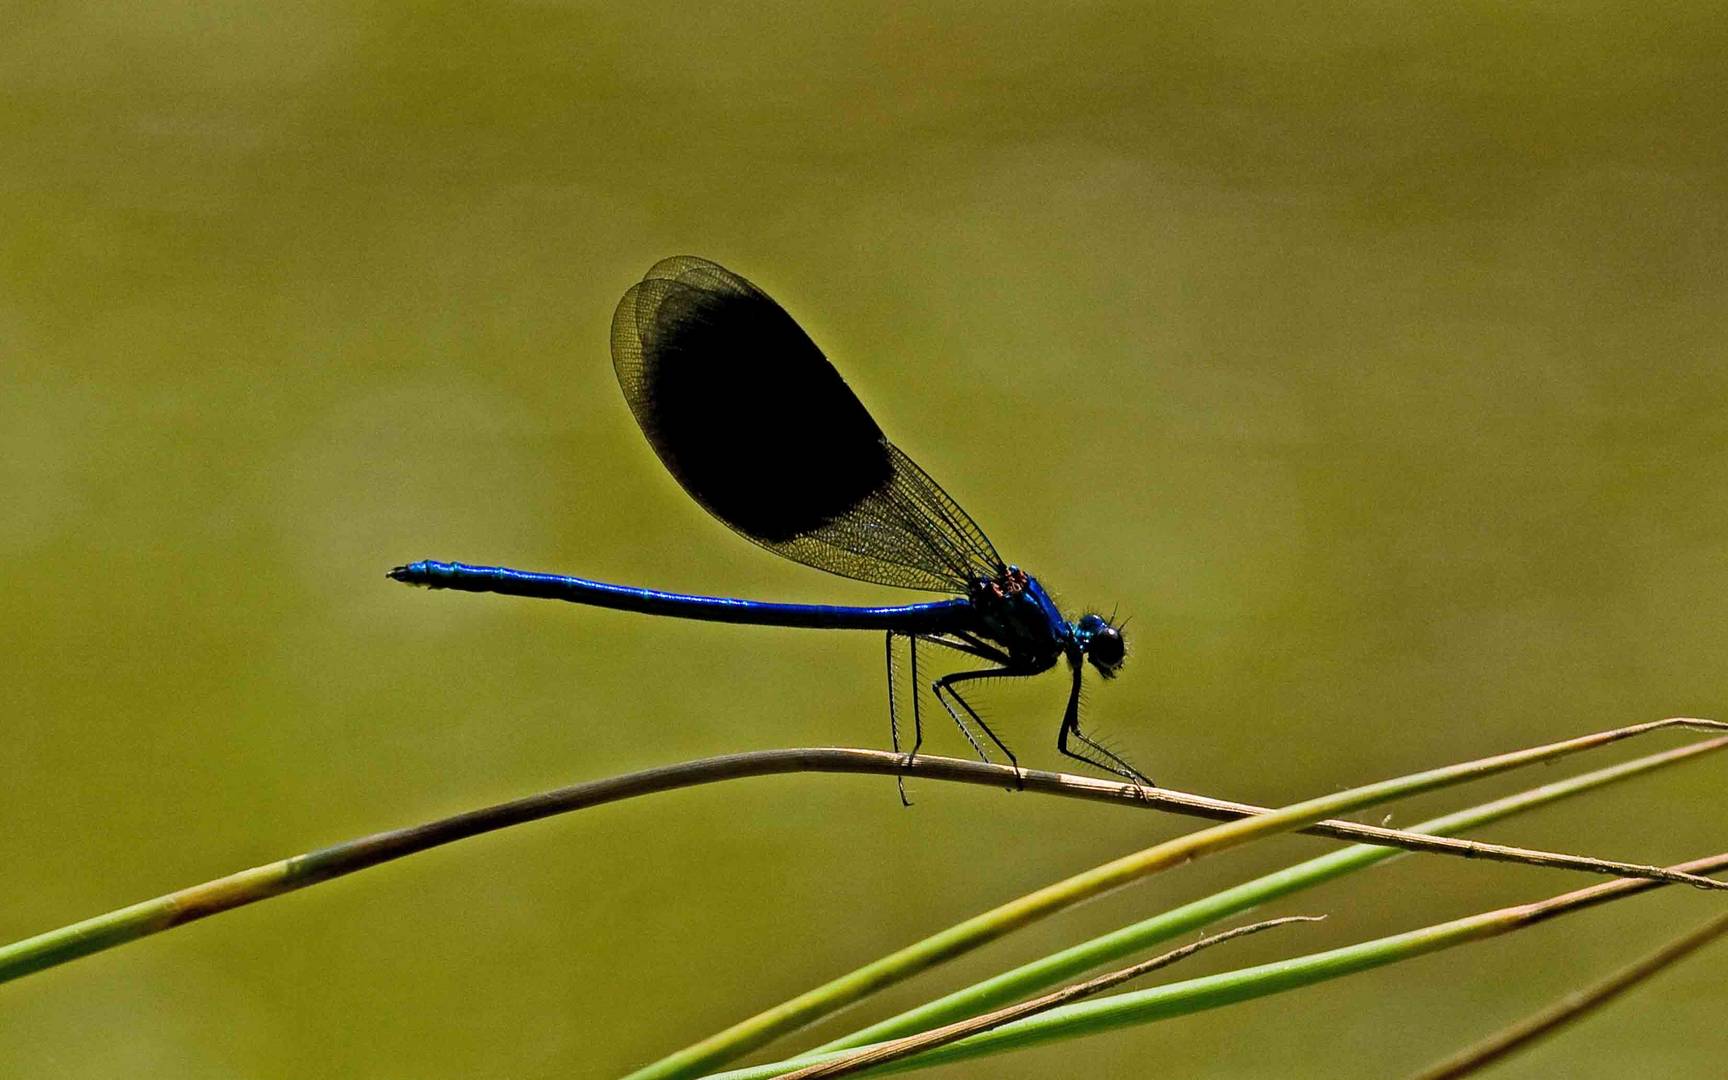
(1106, 649)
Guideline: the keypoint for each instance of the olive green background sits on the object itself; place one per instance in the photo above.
(1368, 355)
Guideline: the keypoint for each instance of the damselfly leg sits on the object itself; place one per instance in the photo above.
(944, 689)
(894, 715)
(1112, 762)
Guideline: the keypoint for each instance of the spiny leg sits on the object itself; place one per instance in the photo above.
(894, 713)
(894, 716)
(972, 647)
(1113, 762)
(948, 682)
(963, 642)
(965, 729)
(917, 717)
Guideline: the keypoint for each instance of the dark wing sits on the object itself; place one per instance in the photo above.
(753, 420)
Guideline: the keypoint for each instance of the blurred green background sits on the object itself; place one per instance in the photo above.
(1367, 355)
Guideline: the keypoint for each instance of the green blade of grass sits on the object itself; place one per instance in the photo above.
(894, 1050)
(1227, 988)
(1069, 963)
(791, 1015)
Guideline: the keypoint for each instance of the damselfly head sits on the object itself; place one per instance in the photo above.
(1102, 643)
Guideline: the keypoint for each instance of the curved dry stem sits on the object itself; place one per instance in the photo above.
(173, 909)
(1574, 1006)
